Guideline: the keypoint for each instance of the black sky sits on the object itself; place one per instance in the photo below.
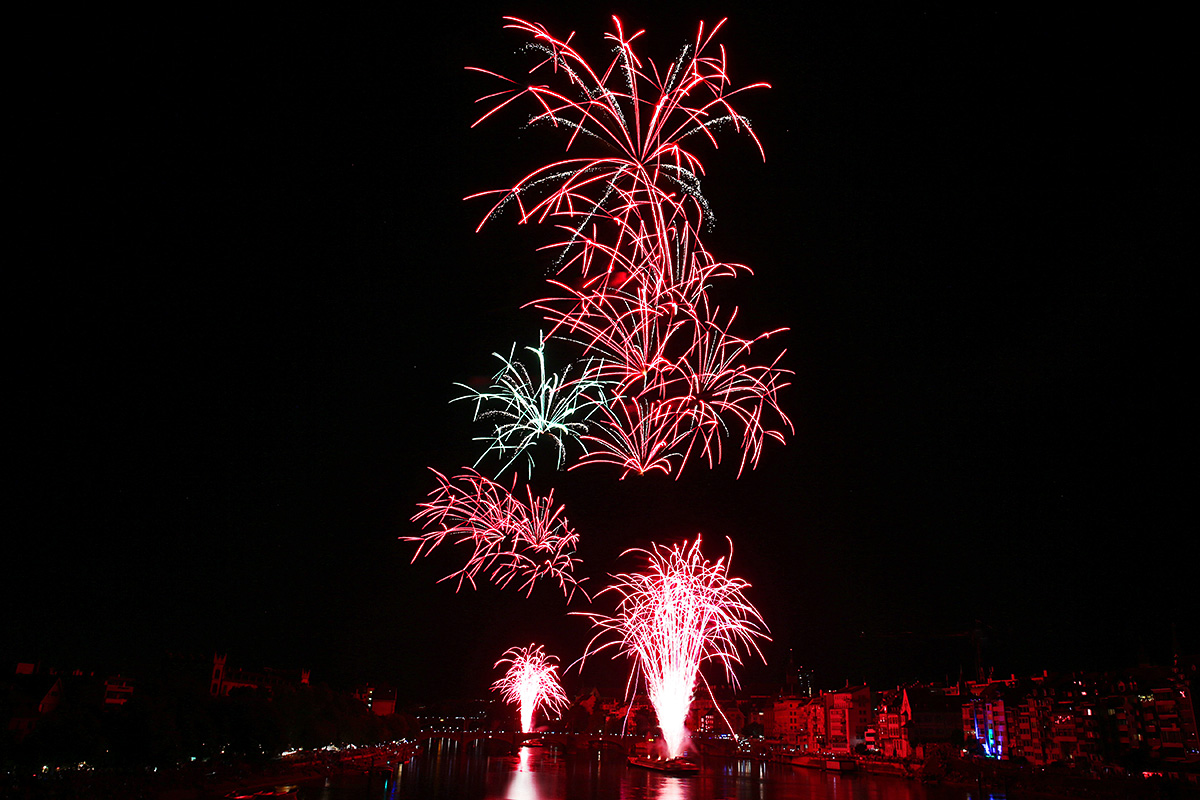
(248, 282)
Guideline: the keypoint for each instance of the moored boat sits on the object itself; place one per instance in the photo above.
(671, 766)
(841, 764)
(279, 793)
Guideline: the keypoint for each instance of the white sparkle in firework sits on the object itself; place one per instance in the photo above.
(528, 407)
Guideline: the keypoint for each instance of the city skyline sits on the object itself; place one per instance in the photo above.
(258, 283)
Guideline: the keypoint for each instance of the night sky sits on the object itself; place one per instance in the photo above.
(250, 281)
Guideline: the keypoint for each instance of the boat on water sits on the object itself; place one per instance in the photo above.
(278, 793)
(841, 764)
(671, 766)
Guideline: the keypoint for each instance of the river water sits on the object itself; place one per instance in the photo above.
(446, 770)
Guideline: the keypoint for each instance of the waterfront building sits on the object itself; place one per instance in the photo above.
(790, 721)
(815, 732)
(1099, 719)
(760, 715)
(889, 724)
(986, 719)
(1031, 736)
(928, 718)
(1175, 720)
(716, 712)
(1075, 724)
(1149, 710)
(849, 715)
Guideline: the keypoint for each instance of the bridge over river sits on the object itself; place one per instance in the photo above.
(570, 742)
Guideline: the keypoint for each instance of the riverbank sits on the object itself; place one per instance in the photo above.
(1026, 781)
(208, 780)
(986, 775)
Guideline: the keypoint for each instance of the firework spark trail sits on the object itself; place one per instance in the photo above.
(675, 378)
(707, 386)
(629, 339)
(633, 435)
(532, 682)
(682, 611)
(527, 408)
(675, 358)
(648, 154)
(634, 236)
(685, 378)
(652, 177)
(509, 537)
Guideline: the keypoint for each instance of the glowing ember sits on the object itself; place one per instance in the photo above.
(531, 681)
(682, 611)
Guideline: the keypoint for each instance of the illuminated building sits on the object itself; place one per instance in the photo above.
(849, 716)
(986, 718)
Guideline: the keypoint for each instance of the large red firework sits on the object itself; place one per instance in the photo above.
(679, 613)
(631, 221)
(645, 115)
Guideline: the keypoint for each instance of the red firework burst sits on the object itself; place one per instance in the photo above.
(510, 537)
(644, 114)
